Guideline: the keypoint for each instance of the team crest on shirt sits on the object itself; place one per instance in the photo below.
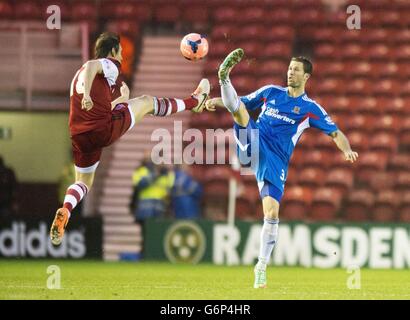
(296, 109)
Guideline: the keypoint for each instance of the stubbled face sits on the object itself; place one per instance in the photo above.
(296, 76)
(118, 55)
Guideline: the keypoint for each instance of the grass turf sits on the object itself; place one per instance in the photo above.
(27, 279)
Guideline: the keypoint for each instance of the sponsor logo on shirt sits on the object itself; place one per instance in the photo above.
(274, 113)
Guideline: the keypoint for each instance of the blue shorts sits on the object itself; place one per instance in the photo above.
(269, 169)
(268, 189)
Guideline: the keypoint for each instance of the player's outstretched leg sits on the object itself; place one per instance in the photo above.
(229, 96)
(162, 107)
(230, 61)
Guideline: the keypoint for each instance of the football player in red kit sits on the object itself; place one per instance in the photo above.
(97, 119)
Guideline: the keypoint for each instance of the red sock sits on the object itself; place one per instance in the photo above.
(166, 106)
(75, 193)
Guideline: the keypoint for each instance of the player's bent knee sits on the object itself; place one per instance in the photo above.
(270, 208)
(241, 116)
(86, 178)
(141, 106)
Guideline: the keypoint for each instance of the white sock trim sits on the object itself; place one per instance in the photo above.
(70, 199)
(78, 189)
(89, 169)
(180, 105)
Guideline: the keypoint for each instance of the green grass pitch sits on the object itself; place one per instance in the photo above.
(27, 279)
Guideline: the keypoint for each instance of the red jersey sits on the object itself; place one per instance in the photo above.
(102, 94)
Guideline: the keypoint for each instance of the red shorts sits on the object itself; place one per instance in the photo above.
(88, 146)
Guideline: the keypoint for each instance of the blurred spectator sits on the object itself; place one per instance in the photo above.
(128, 52)
(186, 195)
(8, 188)
(151, 189)
(66, 179)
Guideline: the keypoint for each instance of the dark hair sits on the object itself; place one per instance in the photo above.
(307, 64)
(105, 43)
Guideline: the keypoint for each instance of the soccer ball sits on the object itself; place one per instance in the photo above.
(194, 46)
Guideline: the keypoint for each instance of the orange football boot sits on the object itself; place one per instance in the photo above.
(58, 226)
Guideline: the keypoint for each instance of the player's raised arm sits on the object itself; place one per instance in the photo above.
(92, 67)
(343, 144)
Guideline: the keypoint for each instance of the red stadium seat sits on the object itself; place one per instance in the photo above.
(399, 161)
(325, 205)
(279, 33)
(339, 161)
(329, 68)
(404, 207)
(84, 10)
(276, 49)
(272, 67)
(387, 123)
(401, 52)
(376, 35)
(340, 180)
(292, 178)
(359, 140)
(226, 14)
(387, 87)
(124, 27)
(379, 51)
(370, 163)
(327, 51)
(278, 16)
(316, 158)
(385, 206)
(353, 51)
(324, 142)
(310, 16)
(383, 69)
(27, 10)
(384, 142)
(244, 84)
(272, 79)
(405, 135)
(311, 177)
(195, 13)
(359, 68)
(331, 86)
(251, 32)
(126, 9)
(359, 85)
(222, 31)
(247, 67)
(166, 13)
(360, 122)
(397, 106)
(383, 180)
(401, 36)
(296, 203)
(403, 180)
(358, 204)
(254, 16)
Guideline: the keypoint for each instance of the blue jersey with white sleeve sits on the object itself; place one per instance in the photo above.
(281, 122)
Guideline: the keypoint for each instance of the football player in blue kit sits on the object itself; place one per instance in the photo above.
(285, 113)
